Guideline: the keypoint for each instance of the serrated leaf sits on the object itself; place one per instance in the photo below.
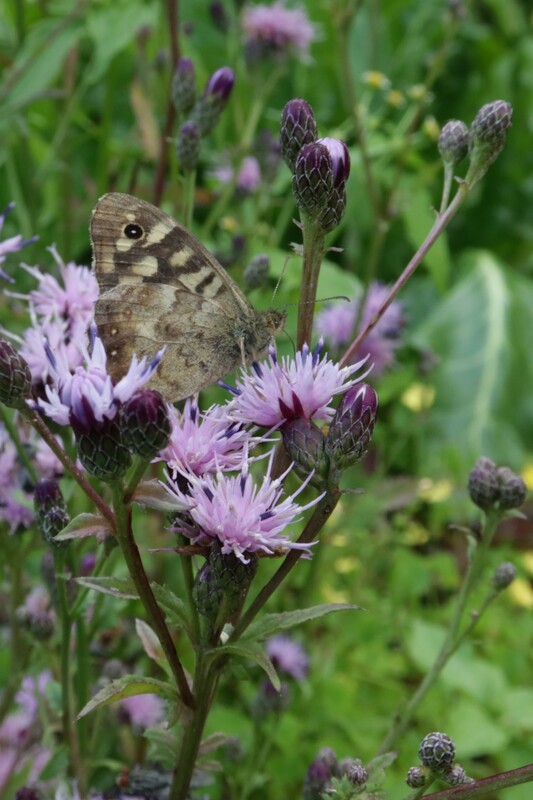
(254, 652)
(111, 585)
(154, 495)
(128, 686)
(273, 623)
(85, 525)
(150, 642)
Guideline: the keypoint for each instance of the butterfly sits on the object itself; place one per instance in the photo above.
(159, 286)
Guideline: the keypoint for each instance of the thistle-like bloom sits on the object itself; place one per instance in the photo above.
(88, 395)
(143, 710)
(277, 30)
(336, 324)
(12, 245)
(275, 392)
(204, 442)
(288, 656)
(246, 518)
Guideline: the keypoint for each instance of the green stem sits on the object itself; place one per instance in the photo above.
(189, 183)
(314, 249)
(485, 786)
(135, 566)
(188, 579)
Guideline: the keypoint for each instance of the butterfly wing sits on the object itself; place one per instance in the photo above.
(161, 287)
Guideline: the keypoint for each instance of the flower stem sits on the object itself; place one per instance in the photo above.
(135, 566)
(502, 780)
(314, 249)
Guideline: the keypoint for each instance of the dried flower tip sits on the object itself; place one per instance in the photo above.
(184, 86)
(15, 376)
(504, 575)
(352, 426)
(488, 133)
(453, 142)
(483, 483)
(298, 128)
(188, 146)
(437, 752)
(305, 446)
(256, 272)
(102, 450)
(145, 423)
(312, 182)
(50, 511)
(512, 489)
(416, 777)
(214, 100)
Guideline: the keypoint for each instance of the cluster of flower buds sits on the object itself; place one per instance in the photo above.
(320, 167)
(483, 142)
(327, 769)
(437, 755)
(202, 112)
(491, 487)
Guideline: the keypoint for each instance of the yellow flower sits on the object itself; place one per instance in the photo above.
(434, 491)
(395, 98)
(521, 593)
(527, 475)
(376, 80)
(418, 397)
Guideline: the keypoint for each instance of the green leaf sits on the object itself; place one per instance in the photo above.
(174, 608)
(150, 642)
(129, 686)
(112, 585)
(273, 623)
(85, 525)
(473, 731)
(254, 652)
(154, 495)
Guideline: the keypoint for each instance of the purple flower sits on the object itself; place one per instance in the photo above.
(278, 30)
(204, 442)
(274, 393)
(89, 394)
(288, 656)
(245, 517)
(336, 324)
(144, 710)
(12, 245)
(248, 175)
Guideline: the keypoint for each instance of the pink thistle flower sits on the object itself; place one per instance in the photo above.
(13, 244)
(278, 30)
(204, 442)
(144, 710)
(248, 174)
(288, 656)
(277, 392)
(336, 324)
(89, 395)
(244, 517)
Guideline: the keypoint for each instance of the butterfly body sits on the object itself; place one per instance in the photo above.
(161, 287)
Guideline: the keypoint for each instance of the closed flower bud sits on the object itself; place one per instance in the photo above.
(210, 106)
(145, 423)
(437, 752)
(340, 160)
(416, 777)
(312, 182)
(298, 128)
(256, 272)
(102, 450)
(50, 511)
(488, 134)
(319, 774)
(352, 426)
(512, 489)
(483, 483)
(453, 142)
(188, 146)
(184, 86)
(456, 776)
(206, 593)
(15, 377)
(504, 575)
(219, 16)
(232, 575)
(354, 771)
(332, 215)
(305, 446)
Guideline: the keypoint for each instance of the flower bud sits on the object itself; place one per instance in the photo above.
(416, 777)
(50, 511)
(214, 100)
(354, 771)
(102, 450)
(298, 128)
(453, 142)
(340, 160)
(305, 446)
(232, 575)
(15, 376)
(319, 774)
(188, 146)
(488, 133)
(206, 593)
(184, 86)
(219, 16)
(352, 426)
(483, 483)
(504, 575)
(456, 776)
(28, 794)
(269, 700)
(512, 489)
(312, 182)
(145, 423)
(437, 752)
(256, 272)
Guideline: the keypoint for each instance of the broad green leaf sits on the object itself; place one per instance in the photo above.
(150, 642)
(273, 623)
(473, 731)
(128, 686)
(112, 585)
(254, 652)
(85, 525)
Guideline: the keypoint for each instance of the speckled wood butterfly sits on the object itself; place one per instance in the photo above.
(160, 286)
